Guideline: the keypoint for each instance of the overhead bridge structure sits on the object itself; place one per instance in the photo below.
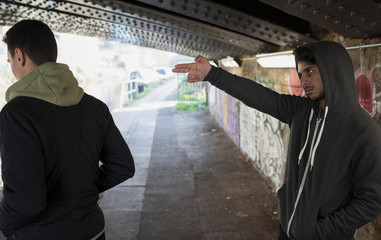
(214, 29)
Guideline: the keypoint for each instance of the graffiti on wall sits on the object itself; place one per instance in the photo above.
(366, 88)
(262, 140)
(376, 73)
(227, 115)
(262, 137)
(221, 106)
(376, 76)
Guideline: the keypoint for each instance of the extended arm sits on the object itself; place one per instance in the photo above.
(249, 92)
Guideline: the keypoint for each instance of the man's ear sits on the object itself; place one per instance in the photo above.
(20, 56)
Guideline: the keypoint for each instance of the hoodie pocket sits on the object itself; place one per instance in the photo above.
(286, 197)
(305, 220)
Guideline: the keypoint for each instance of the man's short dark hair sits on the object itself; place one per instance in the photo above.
(304, 54)
(33, 37)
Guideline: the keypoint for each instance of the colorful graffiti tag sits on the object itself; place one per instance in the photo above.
(366, 89)
(227, 115)
(262, 140)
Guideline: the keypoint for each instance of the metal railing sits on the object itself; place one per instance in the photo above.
(129, 91)
(190, 92)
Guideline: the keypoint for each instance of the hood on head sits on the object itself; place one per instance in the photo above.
(336, 70)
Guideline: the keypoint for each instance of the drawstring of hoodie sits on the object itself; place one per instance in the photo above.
(311, 159)
(308, 135)
(315, 144)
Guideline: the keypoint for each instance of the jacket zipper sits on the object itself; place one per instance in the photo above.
(304, 178)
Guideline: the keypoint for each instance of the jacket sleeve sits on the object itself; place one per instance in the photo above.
(366, 202)
(253, 94)
(23, 177)
(117, 161)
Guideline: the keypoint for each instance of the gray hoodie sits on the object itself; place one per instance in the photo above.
(332, 182)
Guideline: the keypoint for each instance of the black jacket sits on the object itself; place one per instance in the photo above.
(332, 182)
(51, 154)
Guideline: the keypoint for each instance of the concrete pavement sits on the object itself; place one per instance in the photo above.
(191, 181)
(123, 204)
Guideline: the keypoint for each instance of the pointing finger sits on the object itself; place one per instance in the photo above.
(181, 70)
(184, 65)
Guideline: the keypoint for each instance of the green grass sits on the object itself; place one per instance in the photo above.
(192, 97)
(191, 107)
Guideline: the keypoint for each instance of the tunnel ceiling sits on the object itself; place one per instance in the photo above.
(214, 29)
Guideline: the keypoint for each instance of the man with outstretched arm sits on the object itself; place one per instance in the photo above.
(332, 183)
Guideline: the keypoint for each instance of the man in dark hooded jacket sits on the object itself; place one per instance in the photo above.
(53, 137)
(332, 183)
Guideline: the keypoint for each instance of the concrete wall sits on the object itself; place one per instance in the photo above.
(265, 139)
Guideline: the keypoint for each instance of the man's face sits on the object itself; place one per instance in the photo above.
(310, 80)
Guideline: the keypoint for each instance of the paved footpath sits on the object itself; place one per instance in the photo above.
(191, 182)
